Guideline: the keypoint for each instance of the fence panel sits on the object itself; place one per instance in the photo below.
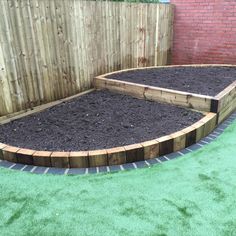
(53, 49)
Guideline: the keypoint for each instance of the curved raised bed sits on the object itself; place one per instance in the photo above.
(113, 156)
(222, 105)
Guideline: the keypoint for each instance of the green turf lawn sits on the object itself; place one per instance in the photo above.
(193, 195)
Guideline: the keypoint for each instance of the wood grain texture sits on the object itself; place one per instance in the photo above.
(25, 156)
(150, 149)
(199, 126)
(42, 158)
(179, 140)
(191, 134)
(2, 146)
(98, 158)
(180, 98)
(79, 159)
(134, 152)
(9, 153)
(52, 49)
(227, 102)
(210, 122)
(60, 159)
(116, 156)
(166, 145)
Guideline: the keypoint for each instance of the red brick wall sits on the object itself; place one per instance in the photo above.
(204, 31)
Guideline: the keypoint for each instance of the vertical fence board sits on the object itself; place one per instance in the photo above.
(52, 49)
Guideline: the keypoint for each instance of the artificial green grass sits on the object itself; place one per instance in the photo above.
(192, 195)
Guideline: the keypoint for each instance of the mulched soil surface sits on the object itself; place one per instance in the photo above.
(201, 80)
(97, 120)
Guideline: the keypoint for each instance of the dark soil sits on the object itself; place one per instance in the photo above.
(97, 120)
(201, 80)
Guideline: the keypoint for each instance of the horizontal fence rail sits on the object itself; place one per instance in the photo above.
(52, 49)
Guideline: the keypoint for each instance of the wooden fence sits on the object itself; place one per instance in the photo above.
(52, 49)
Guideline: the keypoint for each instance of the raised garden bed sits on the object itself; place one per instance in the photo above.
(102, 128)
(97, 120)
(202, 87)
(209, 80)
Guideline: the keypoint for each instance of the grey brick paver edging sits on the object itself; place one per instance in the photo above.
(106, 169)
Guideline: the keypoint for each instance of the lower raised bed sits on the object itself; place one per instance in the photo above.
(158, 145)
(113, 156)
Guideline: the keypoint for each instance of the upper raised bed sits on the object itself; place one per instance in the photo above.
(207, 80)
(201, 87)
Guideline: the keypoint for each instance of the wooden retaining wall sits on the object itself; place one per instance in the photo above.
(113, 156)
(223, 104)
(226, 102)
(52, 49)
(190, 100)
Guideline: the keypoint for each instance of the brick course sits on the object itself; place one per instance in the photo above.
(204, 32)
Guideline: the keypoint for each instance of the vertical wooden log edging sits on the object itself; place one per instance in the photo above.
(25, 156)
(179, 140)
(2, 146)
(134, 153)
(190, 135)
(60, 159)
(42, 158)
(79, 159)
(151, 149)
(98, 158)
(114, 156)
(9, 153)
(166, 145)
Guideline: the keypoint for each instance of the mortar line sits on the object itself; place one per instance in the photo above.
(166, 158)
(23, 167)
(32, 170)
(12, 166)
(46, 171)
(135, 166)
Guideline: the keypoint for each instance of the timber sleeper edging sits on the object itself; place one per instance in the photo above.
(113, 156)
(42, 158)
(224, 103)
(114, 168)
(152, 93)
